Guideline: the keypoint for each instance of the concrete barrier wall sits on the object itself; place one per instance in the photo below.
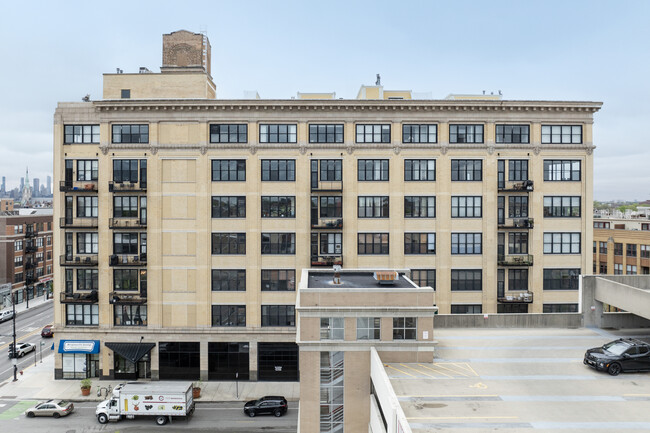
(551, 320)
(395, 418)
(638, 281)
(628, 292)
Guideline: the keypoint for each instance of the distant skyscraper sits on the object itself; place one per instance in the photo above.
(4, 184)
(22, 183)
(49, 185)
(37, 186)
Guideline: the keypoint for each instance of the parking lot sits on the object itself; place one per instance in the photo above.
(521, 380)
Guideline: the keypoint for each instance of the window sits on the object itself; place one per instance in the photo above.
(561, 170)
(228, 280)
(277, 133)
(130, 315)
(87, 243)
(87, 207)
(278, 170)
(373, 133)
(125, 279)
(331, 243)
(560, 308)
(630, 250)
(228, 133)
(228, 170)
(278, 280)
(39, 243)
(130, 133)
(645, 226)
(618, 249)
(419, 243)
(405, 328)
(419, 207)
(466, 170)
(331, 169)
(125, 170)
(18, 261)
(373, 207)
(125, 206)
(372, 243)
(87, 169)
(512, 308)
(561, 243)
(278, 206)
(618, 268)
(228, 315)
(125, 243)
(278, 315)
(419, 169)
(228, 207)
(424, 277)
(561, 279)
(645, 251)
(87, 279)
(75, 134)
(630, 270)
(125, 93)
(512, 133)
(601, 225)
(419, 133)
(18, 277)
(517, 243)
(466, 243)
(518, 279)
(602, 268)
(562, 134)
(326, 133)
(517, 206)
(517, 169)
(368, 328)
(565, 206)
(18, 229)
(466, 309)
(18, 245)
(82, 314)
(228, 243)
(278, 243)
(331, 328)
(331, 206)
(372, 170)
(466, 133)
(466, 279)
(466, 207)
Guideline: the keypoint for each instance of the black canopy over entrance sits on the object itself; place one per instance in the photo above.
(131, 351)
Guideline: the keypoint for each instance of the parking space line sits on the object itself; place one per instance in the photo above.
(450, 369)
(403, 372)
(436, 371)
(469, 368)
(462, 417)
(417, 371)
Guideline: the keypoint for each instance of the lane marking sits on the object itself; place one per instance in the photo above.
(450, 369)
(464, 417)
(439, 372)
(21, 338)
(403, 372)
(418, 371)
(448, 396)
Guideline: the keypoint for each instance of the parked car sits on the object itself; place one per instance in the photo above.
(47, 332)
(266, 405)
(21, 349)
(620, 355)
(54, 408)
(6, 315)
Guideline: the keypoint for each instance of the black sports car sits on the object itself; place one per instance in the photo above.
(619, 355)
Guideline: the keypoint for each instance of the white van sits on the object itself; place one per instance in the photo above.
(6, 315)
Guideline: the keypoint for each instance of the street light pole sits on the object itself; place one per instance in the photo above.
(13, 352)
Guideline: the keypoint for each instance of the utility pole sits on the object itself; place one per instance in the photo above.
(13, 352)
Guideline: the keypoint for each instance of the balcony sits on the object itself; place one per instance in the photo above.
(515, 260)
(126, 186)
(522, 186)
(30, 281)
(128, 298)
(78, 223)
(517, 223)
(78, 186)
(128, 260)
(31, 233)
(327, 260)
(517, 298)
(71, 260)
(327, 186)
(126, 223)
(328, 223)
(79, 298)
(29, 265)
(30, 249)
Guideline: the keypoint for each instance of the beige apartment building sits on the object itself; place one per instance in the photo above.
(187, 221)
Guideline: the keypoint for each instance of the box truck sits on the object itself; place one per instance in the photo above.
(160, 400)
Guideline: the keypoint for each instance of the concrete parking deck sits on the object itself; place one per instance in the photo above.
(520, 380)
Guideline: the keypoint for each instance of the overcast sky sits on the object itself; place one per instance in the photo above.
(552, 50)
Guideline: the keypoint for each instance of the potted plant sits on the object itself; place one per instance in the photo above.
(85, 386)
(196, 389)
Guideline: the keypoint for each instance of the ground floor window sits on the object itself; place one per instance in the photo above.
(228, 361)
(125, 369)
(277, 361)
(512, 308)
(80, 365)
(179, 361)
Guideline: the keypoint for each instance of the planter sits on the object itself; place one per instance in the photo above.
(85, 391)
(196, 392)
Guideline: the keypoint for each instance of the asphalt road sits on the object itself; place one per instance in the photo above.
(28, 330)
(208, 417)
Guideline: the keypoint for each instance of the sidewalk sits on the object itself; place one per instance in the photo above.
(32, 303)
(37, 383)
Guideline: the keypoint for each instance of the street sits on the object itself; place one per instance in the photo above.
(28, 330)
(208, 417)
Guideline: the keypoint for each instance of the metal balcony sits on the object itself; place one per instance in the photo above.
(517, 298)
(327, 186)
(31, 233)
(30, 249)
(78, 223)
(515, 260)
(126, 186)
(131, 298)
(327, 260)
(328, 223)
(517, 223)
(79, 298)
(521, 186)
(72, 260)
(78, 186)
(128, 260)
(126, 223)
(29, 265)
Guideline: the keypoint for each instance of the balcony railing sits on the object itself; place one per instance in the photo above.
(30, 249)
(31, 233)
(517, 223)
(126, 186)
(133, 298)
(78, 223)
(72, 260)
(126, 223)
(29, 265)
(79, 298)
(78, 186)
(515, 260)
(522, 186)
(30, 281)
(517, 298)
(328, 223)
(328, 186)
(128, 260)
(327, 260)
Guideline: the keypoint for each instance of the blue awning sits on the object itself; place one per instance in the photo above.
(79, 346)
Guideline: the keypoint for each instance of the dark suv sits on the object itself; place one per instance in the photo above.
(620, 355)
(266, 405)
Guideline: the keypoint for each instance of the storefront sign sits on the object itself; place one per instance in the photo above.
(79, 346)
